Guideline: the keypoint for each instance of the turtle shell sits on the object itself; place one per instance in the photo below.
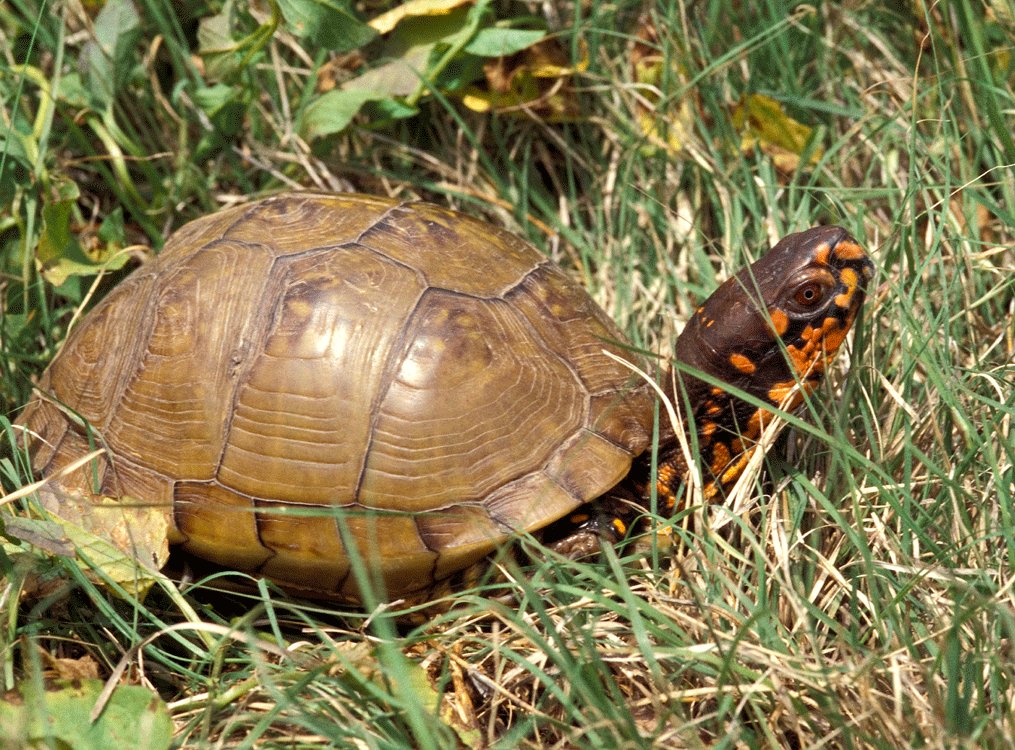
(312, 377)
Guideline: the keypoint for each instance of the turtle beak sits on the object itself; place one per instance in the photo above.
(868, 272)
(851, 255)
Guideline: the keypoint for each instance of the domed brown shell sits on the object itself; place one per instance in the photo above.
(310, 372)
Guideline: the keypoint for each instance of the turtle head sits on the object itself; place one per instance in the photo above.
(771, 331)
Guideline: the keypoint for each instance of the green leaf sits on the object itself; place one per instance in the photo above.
(223, 55)
(72, 90)
(495, 42)
(330, 24)
(333, 111)
(59, 254)
(14, 164)
(226, 108)
(386, 110)
(123, 541)
(133, 717)
(112, 231)
(106, 59)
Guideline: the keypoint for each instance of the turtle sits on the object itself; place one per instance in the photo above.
(312, 378)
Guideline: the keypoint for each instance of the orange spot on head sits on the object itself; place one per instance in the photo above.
(822, 254)
(849, 251)
(801, 359)
(742, 363)
(780, 322)
(716, 391)
(850, 279)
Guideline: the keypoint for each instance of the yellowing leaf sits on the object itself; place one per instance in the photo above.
(764, 123)
(666, 122)
(122, 539)
(537, 79)
(669, 133)
(385, 22)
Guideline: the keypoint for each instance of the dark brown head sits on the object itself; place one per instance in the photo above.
(775, 325)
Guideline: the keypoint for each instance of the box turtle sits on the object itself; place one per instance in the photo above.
(313, 376)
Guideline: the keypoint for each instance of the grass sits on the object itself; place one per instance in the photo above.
(863, 596)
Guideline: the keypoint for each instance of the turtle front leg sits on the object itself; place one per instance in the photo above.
(611, 517)
(582, 533)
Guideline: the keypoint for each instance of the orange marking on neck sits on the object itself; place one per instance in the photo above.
(736, 468)
(666, 481)
(720, 459)
(756, 424)
(742, 363)
(780, 392)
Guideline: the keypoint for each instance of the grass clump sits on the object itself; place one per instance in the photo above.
(859, 598)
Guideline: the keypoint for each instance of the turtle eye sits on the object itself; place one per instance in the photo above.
(809, 290)
(808, 294)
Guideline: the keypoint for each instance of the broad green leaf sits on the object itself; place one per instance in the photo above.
(106, 58)
(495, 42)
(330, 24)
(215, 33)
(398, 77)
(133, 717)
(390, 109)
(226, 108)
(14, 163)
(223, 55)
(59, 254)
(332, 112)
(72, 90)
(410, 50)
(112, 230)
